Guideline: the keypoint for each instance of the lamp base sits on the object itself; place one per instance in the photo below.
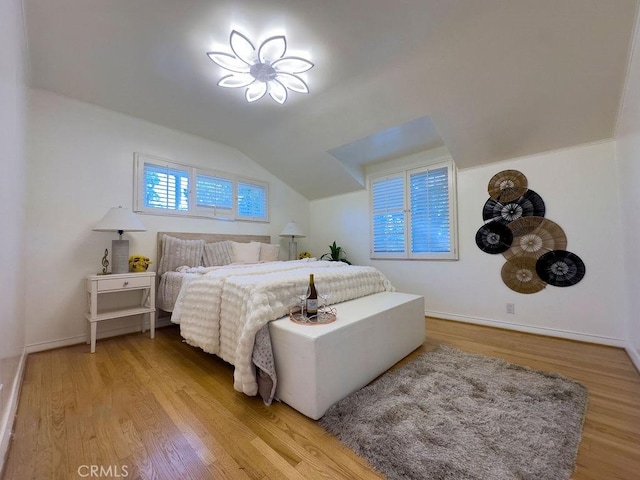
(120, 256)
(293, 250)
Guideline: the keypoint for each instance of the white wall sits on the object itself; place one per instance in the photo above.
(579, 187)
(13, 104)
(628, 155)
(80, 165)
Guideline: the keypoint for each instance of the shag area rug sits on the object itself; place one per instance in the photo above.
(454, 415)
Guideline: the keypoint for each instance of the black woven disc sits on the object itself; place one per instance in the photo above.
(494, 237)
(529, 204)
(560, 268)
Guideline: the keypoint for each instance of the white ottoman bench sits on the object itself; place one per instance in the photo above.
(317, 365)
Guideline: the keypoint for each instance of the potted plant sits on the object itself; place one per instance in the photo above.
(335, 255)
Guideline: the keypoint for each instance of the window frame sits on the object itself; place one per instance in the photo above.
(405, 172)
(193, 209)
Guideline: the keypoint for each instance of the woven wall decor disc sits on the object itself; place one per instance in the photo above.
(524, 225)
(494, 237)
(507, 185)
(534, 237)
(529, 204)
(519, 274)
(560, 268)
(533, 202)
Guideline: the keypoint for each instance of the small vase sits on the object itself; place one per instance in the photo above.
(138, 268)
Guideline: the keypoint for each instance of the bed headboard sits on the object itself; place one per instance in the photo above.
(210, 238)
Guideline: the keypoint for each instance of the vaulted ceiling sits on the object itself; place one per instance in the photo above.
(488, 79)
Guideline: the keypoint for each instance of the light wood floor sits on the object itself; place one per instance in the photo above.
(143, 409)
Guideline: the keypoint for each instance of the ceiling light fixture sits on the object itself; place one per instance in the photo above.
(263, 70)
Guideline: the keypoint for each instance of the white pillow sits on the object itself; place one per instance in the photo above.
(245, 252)
(269, 252)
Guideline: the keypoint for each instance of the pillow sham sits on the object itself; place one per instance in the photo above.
(269, 252)
(177, 252)
(217, 254)
(245, 252)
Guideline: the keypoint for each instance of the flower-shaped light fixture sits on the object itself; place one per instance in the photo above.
(263, 70)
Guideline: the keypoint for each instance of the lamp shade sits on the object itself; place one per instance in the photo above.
(292, 230)
(119, 219)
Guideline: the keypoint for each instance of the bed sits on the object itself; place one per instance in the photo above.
(170, 280)
(225, 309)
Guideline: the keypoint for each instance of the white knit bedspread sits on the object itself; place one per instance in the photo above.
(221, 311)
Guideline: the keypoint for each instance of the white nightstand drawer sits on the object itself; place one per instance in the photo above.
(123, 283)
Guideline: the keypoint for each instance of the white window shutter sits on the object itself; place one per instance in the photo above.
(388, 223)
(252, 200)
(166, 187)
(430, 222)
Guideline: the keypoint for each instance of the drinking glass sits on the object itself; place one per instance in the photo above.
(325, 299)
(302, 297)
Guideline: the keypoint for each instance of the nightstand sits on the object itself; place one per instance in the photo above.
(116, 283)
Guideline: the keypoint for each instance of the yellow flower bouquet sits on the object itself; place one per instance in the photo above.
(302, 255)
(139, 263)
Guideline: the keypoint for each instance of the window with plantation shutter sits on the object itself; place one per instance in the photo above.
(167, 188)
(252, 200)
(413, 213)
(214, 195)
(387, 200)
(429, 214)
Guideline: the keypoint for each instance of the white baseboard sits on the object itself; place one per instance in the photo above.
(550, 332)
(65, 342)
(634, 355)
(6, 425)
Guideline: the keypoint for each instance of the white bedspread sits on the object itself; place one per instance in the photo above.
(222, 310)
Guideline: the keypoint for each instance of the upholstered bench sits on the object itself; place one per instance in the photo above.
(317, 365)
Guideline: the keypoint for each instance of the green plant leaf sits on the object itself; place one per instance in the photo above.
(335, 255)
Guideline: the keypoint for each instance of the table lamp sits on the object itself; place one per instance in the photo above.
(292, 230)
(119, 219)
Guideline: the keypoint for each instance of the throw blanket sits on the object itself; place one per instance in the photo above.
(265, 365)
(169, 288)
(222, 311)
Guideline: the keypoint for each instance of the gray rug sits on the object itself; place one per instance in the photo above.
(455, 415)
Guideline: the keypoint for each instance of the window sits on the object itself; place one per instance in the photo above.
(388, 214)
(252, 200)
(166, 188)
(214, 195)
(413, 213)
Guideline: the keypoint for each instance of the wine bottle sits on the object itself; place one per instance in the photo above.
(312, 298)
